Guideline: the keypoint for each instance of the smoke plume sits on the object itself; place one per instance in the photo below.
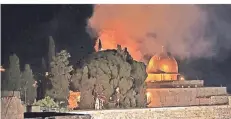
(144, 29)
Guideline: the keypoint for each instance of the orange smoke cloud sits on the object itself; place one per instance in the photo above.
(143, 29)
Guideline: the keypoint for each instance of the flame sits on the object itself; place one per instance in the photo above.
(74, 97)
(109, 40)
(182, 78)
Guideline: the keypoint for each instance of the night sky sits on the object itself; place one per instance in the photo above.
(25, 31)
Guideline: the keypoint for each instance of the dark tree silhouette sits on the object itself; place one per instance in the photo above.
(60, 75)
(105, 71)
(29, 85)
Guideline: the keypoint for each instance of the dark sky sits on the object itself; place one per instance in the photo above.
(25, 31)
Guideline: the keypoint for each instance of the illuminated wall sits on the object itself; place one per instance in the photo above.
(159, 97)
(161, 77)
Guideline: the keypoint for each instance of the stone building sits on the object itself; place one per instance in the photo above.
(166, 87)
(11, 107)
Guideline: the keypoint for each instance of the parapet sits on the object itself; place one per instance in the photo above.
(219, 100)
(229, 97)
(176, 84)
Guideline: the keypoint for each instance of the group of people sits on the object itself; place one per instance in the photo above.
(100, 99)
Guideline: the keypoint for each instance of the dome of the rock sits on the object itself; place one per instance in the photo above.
(162, 63)
(161, 67)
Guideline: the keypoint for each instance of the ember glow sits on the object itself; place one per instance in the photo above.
(143, 29)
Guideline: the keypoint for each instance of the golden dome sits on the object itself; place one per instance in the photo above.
(162, 63)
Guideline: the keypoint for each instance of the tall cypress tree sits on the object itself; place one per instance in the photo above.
(44, 66)
(29, 85)
(13, 73)
(42, 79)
(51, 52)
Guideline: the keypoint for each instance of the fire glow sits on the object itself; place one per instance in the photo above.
(109, 40)
(74, 99)
(143, 29)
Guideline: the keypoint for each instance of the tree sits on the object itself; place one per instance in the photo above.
(47, 102)
(44, 65)
(29, 86)
(42, 80)
(51, 52)
(59, 81)
(112, 74)
(5, 77)
(13, 74)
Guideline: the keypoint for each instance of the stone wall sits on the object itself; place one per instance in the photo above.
(194, 112)
(74, 117)
(183, 96)
(229, 99)
(199, 83)
(219, 100)
(180, 83)
(210, 91)
(11, 108)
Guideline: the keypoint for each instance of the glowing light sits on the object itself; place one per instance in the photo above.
(2, 69)
(78, 98)
(46, 73)
(151, 67)
(181, 78)
(165, 68)
(148, 94)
